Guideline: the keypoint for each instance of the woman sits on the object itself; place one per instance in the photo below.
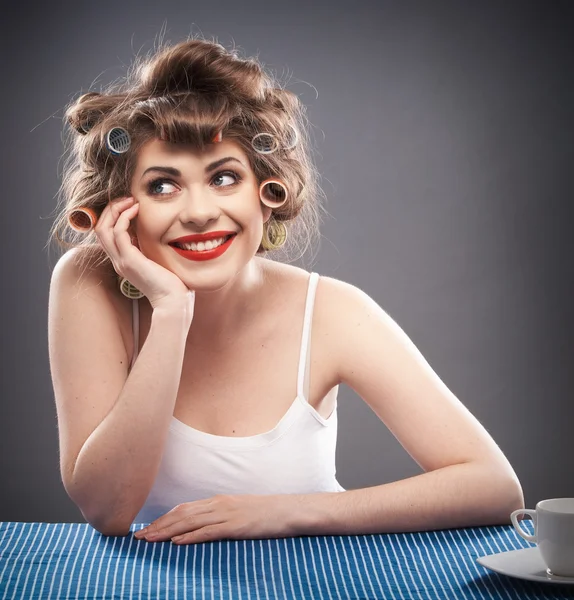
(175, 365)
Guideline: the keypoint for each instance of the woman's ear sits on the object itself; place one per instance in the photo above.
(266, 212)
(133, 235)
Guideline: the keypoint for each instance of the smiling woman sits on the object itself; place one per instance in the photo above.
(192, 95)
(184, 395)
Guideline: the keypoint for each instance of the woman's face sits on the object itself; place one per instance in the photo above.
(182, 191)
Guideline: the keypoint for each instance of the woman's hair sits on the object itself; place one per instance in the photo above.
(186, 93)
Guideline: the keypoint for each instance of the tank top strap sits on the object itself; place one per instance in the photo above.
(135, 329)
(305, 352)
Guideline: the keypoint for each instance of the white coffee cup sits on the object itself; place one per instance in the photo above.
(553, 533)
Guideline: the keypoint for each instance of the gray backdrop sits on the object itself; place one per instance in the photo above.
(444, 132)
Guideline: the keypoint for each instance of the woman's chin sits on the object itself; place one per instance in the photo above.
(205, 282)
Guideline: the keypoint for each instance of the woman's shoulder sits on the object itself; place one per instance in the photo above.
(329, 289)
(331, 294)
(85, 262)
(79, 272)
(285, 281)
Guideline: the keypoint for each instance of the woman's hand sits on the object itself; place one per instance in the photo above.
(161, 287)
(227, 517)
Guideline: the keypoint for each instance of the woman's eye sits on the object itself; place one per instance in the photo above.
(222, 180)
(153, 187)
(227, 174)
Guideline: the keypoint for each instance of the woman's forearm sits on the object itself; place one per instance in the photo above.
(117, 464)
(462, 495)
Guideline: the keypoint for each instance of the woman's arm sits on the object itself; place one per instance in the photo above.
(113, 426)
(467, 480)
(463, 495)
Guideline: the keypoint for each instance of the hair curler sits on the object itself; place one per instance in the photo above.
(82, 219)
(293, 139)
(273, 193)
(264, 143)
(118, 140)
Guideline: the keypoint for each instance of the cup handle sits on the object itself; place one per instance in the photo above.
(526, 536)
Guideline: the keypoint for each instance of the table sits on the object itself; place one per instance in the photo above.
(73, 560)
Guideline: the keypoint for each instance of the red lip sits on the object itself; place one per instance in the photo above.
(202, 237)
(205, 254)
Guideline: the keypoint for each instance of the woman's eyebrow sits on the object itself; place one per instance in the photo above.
(210, 167)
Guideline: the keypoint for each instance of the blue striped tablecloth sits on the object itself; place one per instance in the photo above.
(72, 560)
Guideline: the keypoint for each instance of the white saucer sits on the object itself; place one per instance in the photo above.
(524, 564)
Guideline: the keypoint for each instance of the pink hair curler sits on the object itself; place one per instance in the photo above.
(273, 193)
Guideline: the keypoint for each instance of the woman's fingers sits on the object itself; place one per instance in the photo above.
(105, 227)
(121, 229)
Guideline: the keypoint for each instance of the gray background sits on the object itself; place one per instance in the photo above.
(444, 132)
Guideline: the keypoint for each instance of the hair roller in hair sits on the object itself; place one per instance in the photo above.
(85, 127)
(87, 123)
(129, 290)
(118, 140)
(273, 193)
(292, 139)
(82, 219)
(264, 143)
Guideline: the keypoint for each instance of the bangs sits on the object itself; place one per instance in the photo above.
(183, 119)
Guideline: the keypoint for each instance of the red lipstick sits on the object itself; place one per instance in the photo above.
(204, 254)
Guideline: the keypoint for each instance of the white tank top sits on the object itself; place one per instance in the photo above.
(297, 456)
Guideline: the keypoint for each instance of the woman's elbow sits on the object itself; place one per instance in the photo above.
(511, 499)
(107, 527)
(113, 529)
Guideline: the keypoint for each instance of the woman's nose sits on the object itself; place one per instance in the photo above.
(199, 207)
